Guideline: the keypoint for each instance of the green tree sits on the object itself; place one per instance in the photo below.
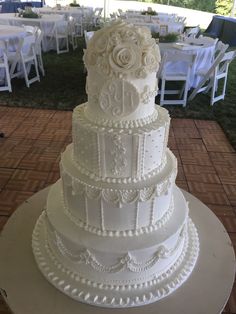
(224, 7)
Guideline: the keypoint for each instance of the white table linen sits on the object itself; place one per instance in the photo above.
(172, 27)
(46, 23)
(204, 51)
(13, 34)
(72, 11)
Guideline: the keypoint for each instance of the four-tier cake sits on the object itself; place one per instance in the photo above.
(116, 230)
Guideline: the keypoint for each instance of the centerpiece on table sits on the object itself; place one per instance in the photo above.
(74, 4)
(149, 11)
(168, 38)
(29, 13)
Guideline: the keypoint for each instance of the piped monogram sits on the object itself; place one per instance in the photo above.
(118, 98)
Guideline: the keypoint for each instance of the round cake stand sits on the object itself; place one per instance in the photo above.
(28, 292)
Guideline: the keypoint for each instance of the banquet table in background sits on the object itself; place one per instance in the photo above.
(203, 50)
(46, 23)
(154, 22)
(172, 27)
(160, 17)
(224, 28)
(75, 12)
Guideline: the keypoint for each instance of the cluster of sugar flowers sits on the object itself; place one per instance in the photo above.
(122, 49)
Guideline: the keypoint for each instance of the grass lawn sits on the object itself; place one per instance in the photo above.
(63, 88)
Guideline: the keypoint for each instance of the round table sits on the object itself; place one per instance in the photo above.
(46, 23)
(206, 290)
(202, 49)
(11, 32)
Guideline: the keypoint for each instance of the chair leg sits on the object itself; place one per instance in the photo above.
(57, 45)
(8, 80)
(25, 74)
(40, 63)
(13, 69)
(36, 68)
(185, 93)
(163, 83)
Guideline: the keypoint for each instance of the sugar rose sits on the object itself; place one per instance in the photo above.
(125, 57)
(149, 59)
(100, 42)
(90, 57)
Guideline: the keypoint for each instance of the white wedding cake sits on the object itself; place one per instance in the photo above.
(116, 230)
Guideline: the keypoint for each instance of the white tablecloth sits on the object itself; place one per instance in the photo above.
(203, 50)
(46, 23)
(160, 17)
(12, 34)
(72, 11)
(154, 26)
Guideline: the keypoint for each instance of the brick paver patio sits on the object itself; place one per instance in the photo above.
(34, 139)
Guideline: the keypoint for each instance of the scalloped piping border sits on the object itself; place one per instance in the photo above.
(145, 293)
(159, 116)
(172, 173)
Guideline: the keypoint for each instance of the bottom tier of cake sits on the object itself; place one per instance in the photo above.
(111, 271)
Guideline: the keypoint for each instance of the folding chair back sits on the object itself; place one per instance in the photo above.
(221, 73)
(181, 73)
(29, 59)
(88, 36)
(30, 29)
(193, 32)
(207, 76)
(38, 50)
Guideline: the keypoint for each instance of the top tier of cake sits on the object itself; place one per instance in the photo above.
(122, 61)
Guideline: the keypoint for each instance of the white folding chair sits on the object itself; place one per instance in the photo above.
(193, 32)
(181, 74)
(121, 14)
(59, 34)
(30, 29)
(79, 31)
(72, 32)
(97, 16)
(23, 59)
(180, 19)
(88, 36)
(221, 73)
(220, 47)
(210, 77)
(4, 66)
(113, 16)
(87, 21)
(38, 50)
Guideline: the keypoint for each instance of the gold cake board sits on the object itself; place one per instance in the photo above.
(28, 292)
